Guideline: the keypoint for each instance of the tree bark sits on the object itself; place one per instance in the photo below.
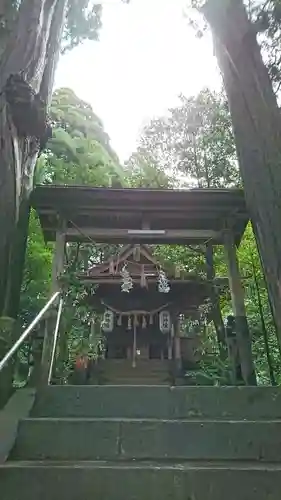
(256, 124)
(32, 52)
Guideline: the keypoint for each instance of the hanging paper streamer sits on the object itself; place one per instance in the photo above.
(144, 323)
(163, 283)
(108, 321)
(165, 321)
(119, 321)
(151, 319)
(136, 321)
(127, 282)
(129, 323)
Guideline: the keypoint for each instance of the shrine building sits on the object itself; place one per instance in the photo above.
(142, 304)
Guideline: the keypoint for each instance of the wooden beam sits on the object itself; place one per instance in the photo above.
(150, 211)
(111, 281)
(142, 234)
(239, 310)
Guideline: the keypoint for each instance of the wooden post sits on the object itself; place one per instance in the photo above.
(239, 311)
(134, 347)
(170, 348)
(177, 345)
(57, 270)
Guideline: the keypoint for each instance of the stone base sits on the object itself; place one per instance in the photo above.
(139, 482)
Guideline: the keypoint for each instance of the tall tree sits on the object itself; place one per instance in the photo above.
(30, 43)
(79, 151)
(193, 142)
(32, 38)
(143, 171)
(256, 124)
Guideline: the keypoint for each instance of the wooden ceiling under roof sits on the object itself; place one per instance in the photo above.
(140, 215)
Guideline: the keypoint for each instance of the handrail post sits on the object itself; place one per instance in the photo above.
(49, 328)
(55, 340)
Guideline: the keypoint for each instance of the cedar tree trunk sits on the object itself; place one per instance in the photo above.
(27, 68)
(256, 124)
(27, 72)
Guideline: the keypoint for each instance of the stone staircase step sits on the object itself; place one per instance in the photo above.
(162, 402)
(140, 364)
(145, 481)
(136, 373)
(101, 439)
(136, 381)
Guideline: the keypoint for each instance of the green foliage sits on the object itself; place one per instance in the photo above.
(251, 268)
(193, 145)
(83, 22)
(143, 171)
(79, 151)
(37, 273)
(266, 15)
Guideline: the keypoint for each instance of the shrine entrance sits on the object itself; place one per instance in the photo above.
(141, 303)
(140, 307)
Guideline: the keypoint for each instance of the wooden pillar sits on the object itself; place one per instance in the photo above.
(233, 352)
(134, 346)
(239, 311)
(177, 345)
(57, 270)
(170, 348)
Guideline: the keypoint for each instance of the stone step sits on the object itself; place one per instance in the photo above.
(159, 402)
(135, 381)
(146, 481)
(135, 372)
(153, 364)
(98, 439)
(127, 368)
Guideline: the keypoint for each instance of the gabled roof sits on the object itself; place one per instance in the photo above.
(128, 252)
(119, 216)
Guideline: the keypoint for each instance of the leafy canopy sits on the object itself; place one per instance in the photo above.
(79, 151)
(192, 145)
(83, 22)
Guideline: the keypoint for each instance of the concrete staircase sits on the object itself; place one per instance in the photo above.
(147, 443)
(146, 372)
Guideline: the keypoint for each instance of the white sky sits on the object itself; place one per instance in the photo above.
(147, 55)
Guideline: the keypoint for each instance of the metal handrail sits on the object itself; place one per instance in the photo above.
(27, 331)
(56, 332)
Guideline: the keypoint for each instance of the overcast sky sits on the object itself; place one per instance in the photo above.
(147, 55)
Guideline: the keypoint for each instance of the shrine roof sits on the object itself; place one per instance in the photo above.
(132, 215)
(145, 261)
